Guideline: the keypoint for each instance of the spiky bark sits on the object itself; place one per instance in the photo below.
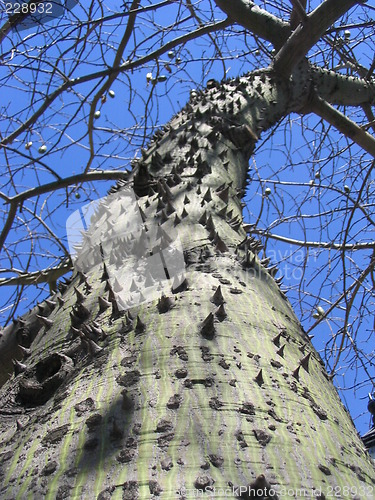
(215, 385)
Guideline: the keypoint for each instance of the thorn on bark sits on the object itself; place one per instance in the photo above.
(177, 179)
(139, 325)
(217, 297)
(207, 197)
(164, 304)
(82, 277)
(18, 367)
(224, 195)
(19, 425)
(221, 313)
(116, 286)
(295, 372)
(108, 288)
(127, 325)
(221, 246)
(115, 310)
(259, 378)
(222, 212)
(207, 328)
(203, 219)
(169, 208)
(213, 236)
(305, 362)
(178, 285)
(79, 295)
(51, 304)
(75, 332)
(41, 308)
(92, 347)
(81, 311)
(248, 260)
(210, 223)
(280, 351)
(141, 181)
(160, 205)
(262, 488)
(46, 322)
(25, 351)
(103, 304)
(61, 301)
(105, 276)
(184, 213)
(163, 217)
(272, 271)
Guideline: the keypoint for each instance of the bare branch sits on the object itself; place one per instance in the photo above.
(9, 222)
(308, 33)
(340, 89)
(129, 65)
(298, 13)
(98, 175)
(356, 285)
(112, 77)
(312, 244)
(258, 21)
(343, 124)
(45, 276)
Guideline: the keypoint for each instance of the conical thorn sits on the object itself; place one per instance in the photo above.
(207, 328)
(259, 378)
(305, 362)
(217, 297)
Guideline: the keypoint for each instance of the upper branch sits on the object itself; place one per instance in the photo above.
(298, 13)
(257, 20)
(340, 89)
(343, 124)
(127, 66)
(35, 278)
(308, 33)
(95, 175)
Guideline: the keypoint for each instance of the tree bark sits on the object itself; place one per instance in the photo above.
(217, 387)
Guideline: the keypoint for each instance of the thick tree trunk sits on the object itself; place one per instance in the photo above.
(219, 387)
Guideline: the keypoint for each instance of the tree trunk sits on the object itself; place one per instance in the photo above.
(214, 389)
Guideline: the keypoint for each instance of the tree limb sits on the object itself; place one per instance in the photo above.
(9, 222)
(128, 65)
(313, 244)
(258, 21)
(111, 78)
(340, 89)
(342, 123)
(298, 13)
(46, 276)
(18, 199)
(355, 286)
(308, 33)
(12, 23)
(97, 175)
